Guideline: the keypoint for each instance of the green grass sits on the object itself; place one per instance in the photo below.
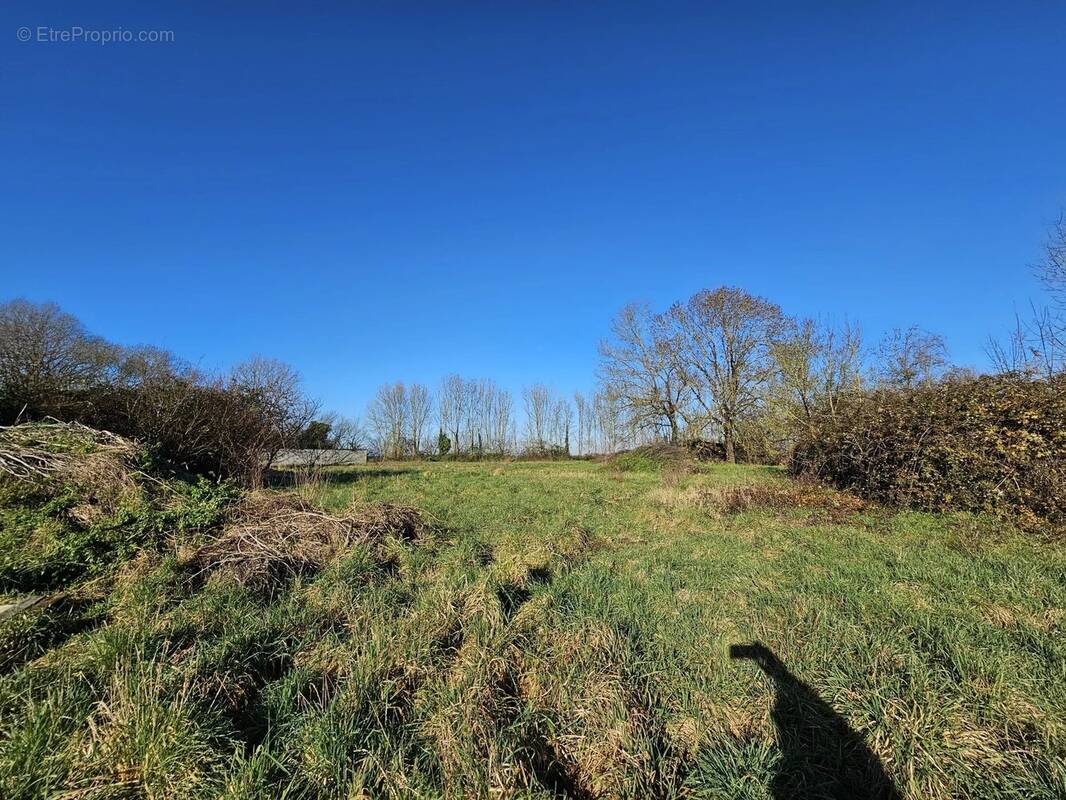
(565, 631)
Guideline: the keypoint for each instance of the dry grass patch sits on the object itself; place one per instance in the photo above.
(274, 537)
(739, 498)
(54, 455)
(609, 738)
(148, 738)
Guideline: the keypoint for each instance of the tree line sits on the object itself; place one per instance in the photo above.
(220, 425)
(723, 366)
(476, 417)
(730, 367)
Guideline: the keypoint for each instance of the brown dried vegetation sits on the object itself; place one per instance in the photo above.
(274, 537)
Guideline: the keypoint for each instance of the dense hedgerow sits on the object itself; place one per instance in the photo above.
(990, 444)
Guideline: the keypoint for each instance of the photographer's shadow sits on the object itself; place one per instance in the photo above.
(821, 755)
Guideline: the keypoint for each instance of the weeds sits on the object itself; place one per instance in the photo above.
(559, 630)
(149, 737)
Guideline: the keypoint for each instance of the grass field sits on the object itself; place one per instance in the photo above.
(568, 629)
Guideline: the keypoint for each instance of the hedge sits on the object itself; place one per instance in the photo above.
(993, 444)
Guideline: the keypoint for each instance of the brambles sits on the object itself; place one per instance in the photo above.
(76, 502)
(990, 444)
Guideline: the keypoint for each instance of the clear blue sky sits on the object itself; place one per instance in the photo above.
(397, 190)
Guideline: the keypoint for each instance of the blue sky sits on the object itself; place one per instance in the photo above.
(395, 191)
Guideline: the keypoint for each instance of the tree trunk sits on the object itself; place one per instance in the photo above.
(730, 450)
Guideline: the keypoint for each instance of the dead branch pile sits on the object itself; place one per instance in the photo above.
(52, 453)
(274, 537)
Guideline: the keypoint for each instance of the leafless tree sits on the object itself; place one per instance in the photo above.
(1053, 268)
(498, 417)
(482, 397)
(143, 365)
(608, 412)
(640, 368)
(453, 402)
(816, 364)
(346, 433)
(910, 357)
(1036, 346)
(583, 420)
(420, 408)
(562, 421)
(276, 388)
(389, 418)
(725, 340)
(538, 402)
(46, 353)
(477, 414)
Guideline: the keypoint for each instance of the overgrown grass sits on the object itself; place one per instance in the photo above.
(565, 631)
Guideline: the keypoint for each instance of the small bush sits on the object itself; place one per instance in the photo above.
(651, 458)
(994, 444)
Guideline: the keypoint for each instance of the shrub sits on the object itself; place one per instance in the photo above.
(651, 458)
(193, 427)
(221, 427)
(993, 444)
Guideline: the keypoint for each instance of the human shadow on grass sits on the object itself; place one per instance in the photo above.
(821, 755)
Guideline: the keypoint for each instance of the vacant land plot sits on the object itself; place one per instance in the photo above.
(563, 629)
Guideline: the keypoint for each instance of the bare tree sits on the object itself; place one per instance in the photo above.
(817, 363)
(640, 367)
(346, 433)
(608, 412)
(389, 418)
(420, 408)
(1053, 268)
(562, 419)
(1036, 346)
(477, 414)
(910, 357)
(583, 420)
(725, 340)
(499, 417)
(538, 402)
(276, 388)
(482, 397)
(144, 364)
(46, 353)
(453, 402)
